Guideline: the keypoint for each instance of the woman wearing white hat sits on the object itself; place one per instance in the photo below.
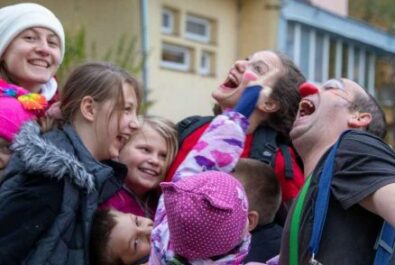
(32, 45)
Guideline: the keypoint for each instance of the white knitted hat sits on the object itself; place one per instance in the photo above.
(16, 18)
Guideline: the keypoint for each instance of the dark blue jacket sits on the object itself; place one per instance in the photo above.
(265, 243)
(51, 189)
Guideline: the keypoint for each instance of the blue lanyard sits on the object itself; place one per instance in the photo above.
(322, 200)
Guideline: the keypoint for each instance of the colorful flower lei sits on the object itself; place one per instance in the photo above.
(30, 101)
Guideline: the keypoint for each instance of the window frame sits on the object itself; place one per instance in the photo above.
(206, 69)
(186, 66)
(197, 37)
(168, 29)
(366, 57)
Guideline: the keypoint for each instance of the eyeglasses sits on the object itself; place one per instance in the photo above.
(334, 85)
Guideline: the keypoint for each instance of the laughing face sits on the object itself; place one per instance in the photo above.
(33, 57)
(115, 127)
(260, 63)
(145, 156)
(324, 111)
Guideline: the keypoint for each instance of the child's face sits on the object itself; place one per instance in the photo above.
(145, 156)
(5, 154)
(33, 57)
(230, 91)
(130, 238)
(114, 129)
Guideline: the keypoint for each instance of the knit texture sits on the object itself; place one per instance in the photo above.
(16, 18)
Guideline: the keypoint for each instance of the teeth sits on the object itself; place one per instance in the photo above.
(306, 104)
(39, 63)
(306, 107)
(233, 81)
(124, 138)
(149, 171)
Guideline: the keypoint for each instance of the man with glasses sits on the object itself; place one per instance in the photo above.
(362, 189)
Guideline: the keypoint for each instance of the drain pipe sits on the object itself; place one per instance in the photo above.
(144, 44)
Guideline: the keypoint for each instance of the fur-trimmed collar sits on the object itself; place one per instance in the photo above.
(40, 156)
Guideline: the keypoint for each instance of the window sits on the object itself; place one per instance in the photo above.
(167, 21)
(321, 55)
(175, 57)
(305, 50)
(319, 58)
(205, 63)
(198, 29)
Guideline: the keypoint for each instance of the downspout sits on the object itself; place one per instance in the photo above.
(144, 44)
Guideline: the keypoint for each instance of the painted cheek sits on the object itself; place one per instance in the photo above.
(249, 76)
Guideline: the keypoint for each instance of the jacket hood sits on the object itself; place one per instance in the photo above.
(41, 156)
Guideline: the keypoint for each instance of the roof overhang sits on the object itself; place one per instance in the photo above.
(343, 26)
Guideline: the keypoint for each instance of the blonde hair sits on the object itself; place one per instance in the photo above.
(166, 129)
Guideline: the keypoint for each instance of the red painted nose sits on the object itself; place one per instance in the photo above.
(307, 89)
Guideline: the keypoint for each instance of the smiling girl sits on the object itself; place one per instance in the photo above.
(32, 46)
(147, 155)
(54, 181)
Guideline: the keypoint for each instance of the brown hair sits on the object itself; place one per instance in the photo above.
(101, 81)
(103, 223)
(285, 92)
(367, 103)
(261, 186)
(4, 73)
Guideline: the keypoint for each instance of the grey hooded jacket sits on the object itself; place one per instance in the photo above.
(51, 189)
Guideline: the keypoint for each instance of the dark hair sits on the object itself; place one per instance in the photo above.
(101, 81)
(367, 103)
(285, 91)
(4, 73)
(103, 223)
(262, 188)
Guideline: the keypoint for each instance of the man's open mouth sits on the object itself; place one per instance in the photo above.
(306, 107)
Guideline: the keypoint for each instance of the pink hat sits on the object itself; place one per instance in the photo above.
(17, 106)
(207, 214)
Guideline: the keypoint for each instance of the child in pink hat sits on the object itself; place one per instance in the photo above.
(202, 214)
(17, 106)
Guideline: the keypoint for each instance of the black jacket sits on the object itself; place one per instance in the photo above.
(51, 189)
(265, 243)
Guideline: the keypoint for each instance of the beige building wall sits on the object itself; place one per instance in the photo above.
(177, 94)
(105, 22)
(258, 25)
(339, 7)
(240, 27)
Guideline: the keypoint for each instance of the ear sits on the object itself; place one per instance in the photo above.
(265, 103)
(268, 105)
(253, 220)
(360, 120)
(88, 108)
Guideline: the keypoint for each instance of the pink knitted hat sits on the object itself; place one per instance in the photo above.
(17, 106)
(207, 214)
